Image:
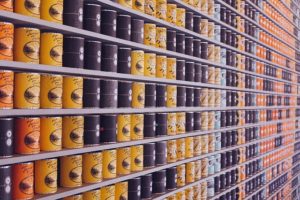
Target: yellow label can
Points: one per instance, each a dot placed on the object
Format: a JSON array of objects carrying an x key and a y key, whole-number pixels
[
  {"x": 161, "y": 67},
  {"x": 197, "y": 4},
  {"x": 180, "y": 122},
  {"x": 51, "y": 91},
  {"x": 204, "y": 190},
  {"x": 71, "y": 171},
  {"x": 161, "y": 37},
  {"x": 137, "y": 158},
  {"x": 197, "y": 191},
  {"x": 171, "y": 124},
  {"x": 126, "y": 3},
  {"x": 27, "y": 45},
  {"x": 51, "y": 134},
  {"x": 137, "y": 62},
  {"x": 161, "y": 9},
  {"x": 27, "y": 90},
  {"x": 180, "y": 195},
  {"x": 180, "y": 147},
  {"x": 210, "y": 7},
  {"x": 180, "y": 17},
  {"x": 211, "y": 143},
  {"x": 150, "y": 64},
  {"x": 30, "y": 8},
  {"x": 197, "y": 145},
  {"x": 189, "y": 147},
  {"x": 171, "y": 151},
  {"x": 210, "y": 29},
  {"x": 197, "y": 170},
  {"x": 204, "y": 6},
  {"x": 211, "y": 120},
  {"x": 74, "y": 197},
  {"x": 72, "y": 134},
  {"x": 150, "y": 34},
  {"x": 190, "y": 172},
  {"x": 171, "y": 68},
  {"x": 109, "y": 164},
  {"x": 171, "y": 96},
  {"x": 92, "y": 195},
  {"x": 211, "y": 53},
  {"x": 189, "y": 193},
  {"x": 204, "y": 121},
  {"x": 121, "y": 190},
  {"x": 137, "y": 127},
  {"x": 180, "y": 169},
  {"x": 108, "y": 192},
  {"x": 204, "y": 97},
  {"x": 51, "y": 49},
  {"x": 52, "y": 10},
  {"x": 211, "y": 97},
  {"x": 123, "y": 161},
  {"x": 204, "y": 144},
  {"x": 6, "y": 40},
  {"x": 204, "y": 167},
  {"x": 138, "y": 5},
  {"x": 92, "y": 167},
  {"x": 150, "y": 7},
  {"x": 73, "y": 92},
  {"x": 45, "y": 176},
  {"x": 138, "y": 95},
  {"x": 171, "y": 13},
  {"x": 124, "y": 128}
]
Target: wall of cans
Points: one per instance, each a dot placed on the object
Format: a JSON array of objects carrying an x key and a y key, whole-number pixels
[{"x": 149, "y": 99}]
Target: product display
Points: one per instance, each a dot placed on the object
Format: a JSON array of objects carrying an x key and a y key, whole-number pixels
[{"x": 149, "y": 99}]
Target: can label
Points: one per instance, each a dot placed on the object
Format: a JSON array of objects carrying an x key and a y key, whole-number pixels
[
  {"x": 6, "y": 40},
  {"x": 210, "y": 7},
  {"x": 211, "y": 120},
  {"x": 171, "y": 68},
  {"x": 124, "y": 128},
  {"x": 161, "y": 37},
  {"x": 189, "y": 147},
  {"x": 7, "y": 5},
  {"x": 218, "y": 141},
  {"x": 150, "y": 64},
  {"x": 197, "y": 145},
  {"x": 190, "y": 172},
  {"x": 180, "y": 17},
  {"x": 137, "y": 158},
  {"x": 6, "y": 89},
  {"x": 51, "y": 133},
  {"x": 73, "y": 92},
  {"x": 171, "y": 151},
  {"x": 198, "y": 170},
  {"x": 121, "y": 190},
  {"x": 204, "y": 97},
  {"x": 171, "y": 13},
  {"x": 180, "y": 149},
  {"x": 161, "y": 66},
  {"x": 161, "y": 9},
  {"x": 108, "y": 192},
  {"x": 29, "y": 8},
  {"x": 211, "y": 75},
  {"x": 137, "y": 127},
  {"x": 171, "y": 123},
  {"x": 150, "y": 34},
  {"x": 211, "y": 97},
  {"x": 71, "y": 171},
  {"x": 204, "y": 144},
  {"x": 211, "y": 143},
  {"x": 217, "y": 163},
  {"x": 204, "y": 25},
  {"x": 73, "y": 132},
  {"x": 51, "y": 91},
  {"x": 138, "y": 95},
  {"x": 23, "y": 182},
  {"x": 171, "y": 96},
  {"x": 180, "y": 122},
  {"x": 150, "y": 7},
  {"x": 211, "y": 167},
  {"x": 204, "y": 190},
  {"x": 123, "y": 161},
  {"x": 27, "y": 90},
  {"x": 52, "y": 10},
  {"x": 51, "y": 49},
  {"x": 138, "y": 5},
  {"x": 92, "y": 171},
  {"x": 180, "y": 175},
  {"x": 210, "y": 29},
  {"x": 109, "y": 163},
  {"x": 91, "y": 195},
  {"x": 45, "y": 176},
  {"x": 27, "y": 135},
  {"x": 137, "y": 62},
  {"x": 180, "y": 195},
  {"x": 204, "y": 121},
  {"x": 217, "y": 98},
  {"x": 210, "y": 187}
]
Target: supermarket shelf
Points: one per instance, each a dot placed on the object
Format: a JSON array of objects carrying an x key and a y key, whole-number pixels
[
  {"x": 87, "y": 149},
  {"x": 63, "y": 192}
]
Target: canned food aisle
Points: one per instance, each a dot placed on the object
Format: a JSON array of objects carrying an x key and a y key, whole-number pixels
[{"x": 149, "y": 99}]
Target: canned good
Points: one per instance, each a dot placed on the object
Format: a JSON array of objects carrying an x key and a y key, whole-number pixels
[
  {"x": 7, "y": 40},
  {"x": 180, "y": 175},
  {"x": 73, "y": 92},
  {"x": 180, "y": 146},
  {"x": 74, "y": 197},
  {"x": 161, "y": 9},
  {"x": 189, "y": 147},
  {"x": 45, "y": 176},
  {"x": 27, "y": 135},
  {"x": 171, "y": 68},
  {"x": 7, "y": 5},
  {"x": 52, "y": 10},
  {"x": 211, "y": 120},
  {"x": 171, "y": 96},
  {"x": 189, "y": 193},
  {"x": 211, "y": 143},
  {"x": 126, "y": 3},
  {"x": 31, "y": 8},
  {"x": 197, "y": 145},
  {"x": 124, "y": 128},
  {"x": 171, "y": 124},
  {"x": 171, "y": 151},
  {"x": 137, "y": 160},
  {"x": 204, "y": 121},
  {"x": 51, "y": 91},
  {"x": 6, "y": 89},
  {"x": 121, "y": 190},
  {"x": 204, "y": 144},
  {"x": 137, "y": 127},
  {"x": 123, "y": 161},
  {"x": 6, "y": 136},
  {"x": 161, "y": 37},
  {"x": 161, "y": 66},
  {"x": 27, "y": 90},
  {"x": 211, "y": 97},
  {"x": 204, "y": 190},
  {"x": 91, "y": 195},
  {"x": 180, "y": 122},
  {"x": 204, "y": 26},
  {"x": 108, "y": 192},
  {"x": 138, "y": 95},
  {"x": 190, "y": 172},
  {"x": 204, "y": 97},
  {"x": 137, "y": 62},
  {"x": 150, "y": 34},
  {"x": 51, "y": 49},
  {"x": 6, "y": 182},
  {"x": 211, "y": 165},
  {"x": 51, "y": 133},
  {"x": 150, "y": 64},
  {"x": 171, "y": 13},
  {"x": 180, "y": 17},
  {"x": 92, "y": 167},
  {"x": 22, "y": 184},
  {"x": 71, "y": 171},
  {"x": 72, "y": 131},
  {"x": 198, "y": 170},
  {"x": 109, "y": 164}
]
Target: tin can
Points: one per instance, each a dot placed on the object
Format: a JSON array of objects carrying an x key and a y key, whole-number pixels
[
  {"x": 204, "y": 97},
  {"x": 180, "y": 175},
  {"x": 137, "y": 127},
  {"x": 22, "y": 184},
  {"x": 71, "y": 171},
  {"x": 161, "y": 9},
  {"x": 51, "y": 133},
  {"x": 27, "y": 45},
  {"x": 7, "y": 5},
  {"x": 180, "y": 17},
  {"x": 27, "y": 135},
  {"x": 123, "y": 161},
  {"x": 73, "y": 52},
  {"x": 189, "y": 193},
  {"x": 204, "y": 26},
  {"x": 217, "y": 163},
  {"x": 51, "y": 49},
  {"x": 51, "y": 91},
  {"x": 197, "y": 145},
  {"x": 150, "y": 34},
  {"x": 109, "y": 164},
  {"x": 171, "y": 68},
  {"x": 7, "y": 40},
  {"x": 6, "y": 182},
  {"x": 138, "y": 95},
  {"x": 161, "y": 66},
  {"x": 171, "y": 13},
  {"x": 6, "y": 137},
  {"x": 190, "y": 172},
  {"x": 121, "y": 190},
  {"x": 171, "y": 124},
  {"x": 180, "y": 195},
  {"x": 217, "y": 141},
  {"x": 137, "y": 160},
  {"x": 6, "y": 89},
  {"x": 204, "y": 121},
  {"x": 180, "y": 122},
  {"x": 27, "y": 90},
  {"x": 73, "y": 92},
  {"x": 211, "y": 143},
  {"x": 126, "y": 3},
  {"x": 171, "y": 151},
  {"x": 198, "y": 169},
  {"x": 211, "y": 120},
  {"x": 45, "y": 176},
  {"x": 189, "y": 147},
  {"x": 211, "y": 97},
  {"x": 108, "y": 192},
  {"x": 138, "y": 5},
  {"x": 172, "y": 197},
  {"x": 204, "y": 190},
  {"x": 197, "y": 191},
  {"x": 124, "y": 128},
  {"x": 72, "y": 134},
  {"x": 204, "y": 144},
  {"x": 31, "y": 8},
  {"x": 211, "y": 165},
  {"x": 74, "y": 197},
  {"x": 204, "y": 6},
  {"x": 108, "y": 128},
  {"x": 91, "y": 195},
  {"x": 171, "y": 96},
  {"x": 180, "y": 147},
  {"x": 52, "y": 10},
  {"x": 161, "y": 37},
  {"x": 210, "y": 187},
  {"x": 137, "y": 62},
  {"x": 92, "y": 167},
  {"x": 150, "y": 64}
]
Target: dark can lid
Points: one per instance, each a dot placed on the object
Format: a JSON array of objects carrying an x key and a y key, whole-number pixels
[
  {"x": 92, "y": 11},
  {"x": 134, "y": 184},
  {"x": 149, "y": 125},
  {"x": 91, "y": 85}
]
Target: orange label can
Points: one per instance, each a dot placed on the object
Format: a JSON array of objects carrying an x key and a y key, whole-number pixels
[
  {"x": 137, "y": 158},
  {"x": 150, "y": 34},
  {"x": 45, "y": 176},
  {"x": 126, "y": 3},
  {"x": 161, "y": 37},
  {"x": 6, "y": 40},
  {"x": 171, "y": 124},
  {"x": 51, "y": 49},
  {"x": 52, "y": 10},
  {"x": 6, "y": 89},
  {"x": 30, "y": 8},
  {"x": 161, "y": 9},
  {"x": 180, "y": 17},
  {"x": 171, "y": 13},
  {"x": 137, "y": 62},
  {"x": 171, "y": 96},
  {"x": 180, "y": 122},
  {"x": 109, "y": 164},
  {"x": 150, "y": 64},
  {"x": 124, "y": 128},
  {"x": 123, "y": 161},
  {"x": 71, "y": 171},
  {"x": 161, "y": 66},
  {"x": 197, "y": 145},
  {"x": 171, "y": 68},
  {"x": 189, "y": 147},
  {"x": 171, "y": 151},
  {"x": 190, "y": 172},
  {"x": 92, "y": 195},
  {"x": 121, "y": 190},
  {"x": 22, "y": 183},
  {"x": 180, "y": 175},
  {"x": 150, "y": 7},
  {"x": 72, "y": 133},
  {"x": 138, "y": 95},
  {"x": 51, "y": 134},
  {"x": 92, "y": 167},
  {"x": 108, "y": 192},
  {"x": 180, "y": 147},
  {"x": 51, "y": 91},
  {"x": 137, "y": 127},
  {"x": 73, "y": 92},
  {"x": 7, "y": 5},
  {"x": 27, "y": 135}
]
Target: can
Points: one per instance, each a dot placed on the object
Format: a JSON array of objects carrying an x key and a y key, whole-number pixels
[
  {"x": 72, "y": 132},
  {"x": 91, "y": 130},
  {"x": 150, "y": 156},
  {"x": 73, "y": 92},
  {"x": 180, "y": 17},
  {"x": 7, "y": 5},
  {"x": 137, "y": 62},
  {"x": 137, "y": 33},
  {"x": 204, "y": 97},
  {"x": 171, "y": 151},
  {"x": 171, "y": 68},
  {"x": 150, "y": 64},
  {"x": 52, "y": 10},
  {"x": 161, "y": 9},
  {"x": 190, "y": 172},
  {"x": 27, "y": 45},
  {"x": 211, "y": 97},
  {"x": 149, "y": 125},
  {"x": 6, "y": 89},
  {"x": 108, "y": 192},
  {"x": 124, "y": 26},
  {"x": 150, "y": 34},
  {"x": 204, "y": 121},
  {"x": 138, "y": 5},
  {"x": 6, "y": 182},
  {"x": 108, "y": 128},
  {"x": 51, "y": 133},
  {"x": 45, "y": 176},
  {"x": 91, "y": 195},
  {"x": 180, "y": 169},
  {"x": 180, "y": 146},
  {"x": 124, "y": 128},
  {"x": 92, "y": 167},
  {"x": 161, "y": 66},
  {"x": 172, "y": 197},
  {"x": 180, "y": 122},
  {"x": 171, "y": 96},
  {"x": 27, "y": 90},
  {"x": 197, "y": 145},
  {"x": 171, "y": 40},
  {"x": 134, "y": 188},
  {"x": 109, "y": 164},
  {"x": 217, "y": 98},
  {"x": 180, "y": 195},
  {"x": 171, "y": 13},
  {"x": 150, "y": 95},
  {"x": 123, "y": 161},
  {"x": 51, "y": 51},
  {"x": 161, "y": 37},
  {"x": 197, "y": 191},
  {"x": 204, "y": 190},
  {"x": 73, "y": 13},
  {"x": 171, "y": 124},
  {"x": 189, "y": 147},
  {"x": 22, "y": 184},
  {"x": 108, "y": 22},
  {"x": 74, "y": 197},
  {"x": 6, "y": 137},
  {"x": 211, "y": 120},
  {"x": 211, "y": 165},
  {"x": 27, "y": 135},
  {"x": 138, "y": 95},
  {"x": 146, "y": 186},
  {"x": 51, "y": 91},
  {"x": 137, "y": 160},
  {"x": 198, "y": 170},
  {"x": 204, "y": 144},
  {"x": 161, "y": 124},
  {"x": 73, "y": 52},
  {"x": 91, "y": 93},
  {"x": 126, "y": 3},
  {"x": 210, "y": 187},
  {"x": 31, "y": 8},
  {"x": 159, "y": 182},
  {"x": 124, "y": 60},
  {"x": 137, "y": 127},
  {"x": 121, "y": 190},
  {"x": 71, "y": 171},
  {"x": 189, "y": 193},
  {"x": 204, "y": 26},
  {"x": 7, "y": 40},
  {"x": 211, "y": 143},
  {"x": 109, "y": 92}
]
